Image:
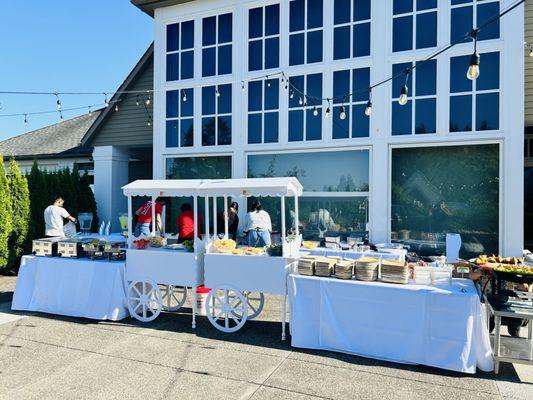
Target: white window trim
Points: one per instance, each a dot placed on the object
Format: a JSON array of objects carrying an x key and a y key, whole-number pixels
[{"x": 413, "y": 14}]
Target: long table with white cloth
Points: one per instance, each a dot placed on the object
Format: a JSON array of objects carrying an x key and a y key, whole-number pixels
[
  {"x": 73, "y": 287},
  {"x": 435, "y": 326},
  {"x": 392, "y": 254}
]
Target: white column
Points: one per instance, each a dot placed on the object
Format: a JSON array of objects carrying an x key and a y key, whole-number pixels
[{"x": 110, "y": 174}]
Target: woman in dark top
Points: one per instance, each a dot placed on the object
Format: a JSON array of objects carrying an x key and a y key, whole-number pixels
[{"x": 233, "y": 221}]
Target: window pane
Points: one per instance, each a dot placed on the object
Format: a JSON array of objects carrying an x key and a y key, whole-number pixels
[
  {"x": 172, "y": 103},
  {"x": 271, "y": 127},
  {"x": 173, "y": 37},
  {"x": 187, "y": 35},
  {"x": 426, "y": 4},
  {"x": 314, "y": 13},
  {"x": 298, "y": 83},
  {"x": 209, "y": 61},
  {"x": 485, "y": 12},
  {"x": 341, "y": 43},
  {"x": 272, "y": 20},
  {"x": 208, "y": 100},
  {"x": 361, "y": 40},
  {"x": 402, "y": 33},
  {"x": 341, "y": 84},
  {"x": 225, "y": 23},
  {"x": 255, "y": 96},
  {"x": 296, "y": 49},
  {"x": 361, "y": 81},
  {"x": 296, "y": 126},
  {"x": 272, "y": 94},
  {"x": 401, "y": 118},
  {"x": 458, "y": 80},
  {"x": 224, "y": 59},
  {"x": 489, "y": 78},
  {"x": 272, "y": 53},
  {"x": 255, "y": 23},
  {"x": 314, "y": 47},
  {"x": 255, "y": 55},
  {"x": 199, "y": 167},
  {"x": 208, "y": 131},
  {"x": 342, "y": 11},
  {"x": 187, "y": 134},
  {"x": 313, "y": 128},
  {"x": 254, "y": 128},
  {"x": 461, "y": 23},
  {"x": 361, "y": 10},
  {"x": 224, "y": 130},
  {"x": 399, "y": 80},
  {"x": 172, "y": 133},
  {"x": 187, "y": 107},
  {"x": 360, "y": 123},
  {"x": 297, "y": 15},
  {"x": 402, "y": 6},
  {"x": 209, "y": 32},
  {"x": 224, "y": 100},
  {"x": 425, "y": 116},
  {"x": 426, "y": 78},
  {"x": 426, "y": 204},
  {"x": 461, "y": 113},
  {"x": 426, "y": 30},
  {"x": 173, "y": 67},
  {"x": 487, "y": 111},
  {"x": 187, "y": 65},
  {"x": 314, "y": 85},
  {"x": 341, "y": 128}
]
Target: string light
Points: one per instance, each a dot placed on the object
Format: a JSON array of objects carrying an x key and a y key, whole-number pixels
[
  {"x": 147, "y": 102},
  {"x": 149, "y": 123},
  {"x": 116, "y": 107},
  {"x": 105, "y": 100},
  {"x": 217, "y": 93},
  {"x": 58, "y": 102},
  {"x": 300, "y": 101},
  {"x": 184, "y": 96},
  {"x": 473, "y": 70},
  {"x": 368, "y": 108},
  {"x": 328, "y": 110},
  {"x": 137, "y": 101},
  {"x": 243, "y": 87},
  {"x": 60, "y": 116},
  {"x": 402, "y": 100},
  {"x": 26, "y": 119},
  {"x": 342, "y": 114},
  {"x": 90, "y": 112},
  {"x": 291, "y": 95},
  {"x": 315, "y": 111}
]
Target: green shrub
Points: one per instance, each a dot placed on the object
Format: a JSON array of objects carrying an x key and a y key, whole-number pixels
[
  {"x": 6, "y": 225},
  {"x": 20, "y": 202}
]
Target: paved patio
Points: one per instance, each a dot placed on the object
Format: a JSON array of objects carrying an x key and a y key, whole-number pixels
[{"x": 49, "y": 357}]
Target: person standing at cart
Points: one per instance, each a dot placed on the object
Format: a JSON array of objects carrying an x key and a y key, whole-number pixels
[
  {"x": 258, "y": 226},
  {"x": 233, "y": 221},
  {"x": 185, "y": 223},
  {"x": 54, "y": 216},
  {"x": 144, "y": 217}
]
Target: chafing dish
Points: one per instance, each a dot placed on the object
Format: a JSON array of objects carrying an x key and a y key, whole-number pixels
[
  {"x": 332, "y": 242},
  {"x": 45, "y": 247},
  {"x": 72, "y": 248}
]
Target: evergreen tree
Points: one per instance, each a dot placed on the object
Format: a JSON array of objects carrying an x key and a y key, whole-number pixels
[
  {"x": 39, "y": 200},
  {"x": 6, "y": 225},
  {"x": 87, "y": 200},
  {"x": 20, "y": 202}
]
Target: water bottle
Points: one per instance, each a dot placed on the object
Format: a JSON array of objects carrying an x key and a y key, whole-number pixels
[
  {"x": 108, "y": 228},
  {"x": 101, "y": 229}
]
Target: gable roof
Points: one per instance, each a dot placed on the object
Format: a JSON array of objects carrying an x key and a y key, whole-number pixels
[
  {"x": 149, "y": 6},
  {"x": 59, "y": 140}
]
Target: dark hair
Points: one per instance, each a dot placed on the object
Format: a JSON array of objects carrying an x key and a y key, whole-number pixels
[
  {"x": 186, "y": 207},
  {"x": 256, "y": 206},
  {"x": 234, "y": 205},
  {"x": 56, "y": 198}
]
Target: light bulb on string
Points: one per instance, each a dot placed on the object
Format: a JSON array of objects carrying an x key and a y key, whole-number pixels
[
  {"x": 58, "y": 102},
  {"x": 315, "y": 111},
  {"x": 342, "y": 114},
  {"x": 184, "y": 96},
  {"x": 148, "y": 100},
  {"x": 531, "y": 51},
  {"x": 116, "y": 107},
  {"x": 217, "y": 93},
  {"x": 402, "y": 100},
  {"x": 26, "y": 119},
  {"x": 149, "y": 123},
  {"x": 300, "y": 101},
  {"x": 243, "y": 87},
  {"x": 106, "y": 102},
  {"x": 473, "y": 69},
  {"x": 90, "y": 112},
  {"x": 291, "y": 95},
  {"x": 268, "y": 82},
  {"x": 286, "y": 87},
  {"x": 328, "y": 110},
  {"x": 60, "y": 116},
  {"x": 137, "y": 101},
  {"x": 368, "y": 108}
]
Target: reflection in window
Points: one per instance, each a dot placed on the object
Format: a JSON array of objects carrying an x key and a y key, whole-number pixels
[
  {"x": 216, "y": 115},
  {"x": 179, "y": 114},
  {"x": 263, "y": 34},
  {"x": 414, "y": 24},
  {"x": 263, "y": 111},
  {"x": 467, "y": 14},
  {"x": 180, "y": 51},
  {"x": 439, "y": 190},
  {"x": 351, "y": 35},
  {"x": 475, "y": 105},
  {"x": 306, "y": 31},
  {"x": 419, "y": 114},
  {"x": 305, "y": 113},
  {"x": 217, "y": 34}
]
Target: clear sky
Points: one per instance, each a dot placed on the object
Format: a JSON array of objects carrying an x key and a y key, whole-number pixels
[{"x": 65, "y": 45}]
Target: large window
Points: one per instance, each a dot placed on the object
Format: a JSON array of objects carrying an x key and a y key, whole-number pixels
[
  {"x": 263, "y": 34},
  {"x": 475, "y": 105},
  {"x": 468, "y": 14},
  {"x": 263, "y": 111},
  {"x": 335, "y": 198},
  {"x": 414, "y": 24},
  {"x": 418, "y": 116},
  {"x": 451, "y": 189},
  {"x": 351, "y": 37},
  {"x": 305, "y": 113},
  {"x": 180, "y": 127},
  {"x": 306, "y": 31},
  {"x": 217, "y": 35},
  {"x": 355, "y": 123},
  {"x": 216, "y": 115},
  {"x": 180, "y": 51}
]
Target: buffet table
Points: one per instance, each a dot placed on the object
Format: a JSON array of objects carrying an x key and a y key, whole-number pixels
[
  {"x": 398, "y": 255},
  {"x": 439, "y": 327},
  {"x": 72, "y": 287}
]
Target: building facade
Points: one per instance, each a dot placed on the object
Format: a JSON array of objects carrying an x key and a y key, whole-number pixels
[{"x": 450, "y": 160}]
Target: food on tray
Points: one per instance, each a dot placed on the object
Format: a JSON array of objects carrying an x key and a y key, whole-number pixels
[
  {"x": 484, "y": 259},
  {"x": 188, "y": 245},
  {"x": 310, "y": 244},
  {"x": 141, "y": 243},
  {"x": 254, "y": 251},
  {"x": 157, "y": 241},
  {"x": 511, "y": 269},
  {"x": 237, "y": 251},
  {"x": 224, "y": 245},
  {"x": 276, "y": 250}
]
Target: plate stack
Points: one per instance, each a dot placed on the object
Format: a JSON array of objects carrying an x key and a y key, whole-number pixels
[
  {"x": 306, "y": 265},
  {"x": 366, "y": 269},
  {"x": 394, "y": 272},
  {"x": 324, "y": 266},
  {"x": 344, "y": 269}
]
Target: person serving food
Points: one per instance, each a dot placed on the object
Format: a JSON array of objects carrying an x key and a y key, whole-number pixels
[
  {"x": 53, "y": 218},
  {"x": 144, "y": 217},
  {"x": 257, "y": 225}
]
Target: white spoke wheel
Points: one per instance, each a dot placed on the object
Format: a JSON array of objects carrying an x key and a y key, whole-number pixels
[
  {"x": 173, "y": 297},
  {"x": 226, "y": 308},
  {"x": 144, "y": 300},
  {"x": 255, "y": 303}
]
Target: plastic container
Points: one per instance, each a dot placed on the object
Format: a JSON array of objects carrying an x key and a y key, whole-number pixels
[
  {"x": 201, "y": 298},
  {"x": 85, "y": 220}
]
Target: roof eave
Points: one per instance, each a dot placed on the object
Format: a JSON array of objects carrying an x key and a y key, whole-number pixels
[{"x": 149, "y": 6}]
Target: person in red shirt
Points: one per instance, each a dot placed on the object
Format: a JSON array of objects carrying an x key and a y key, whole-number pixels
[
  {"x": 185, "y": 223},
  {"x": 144, "y": 217}
]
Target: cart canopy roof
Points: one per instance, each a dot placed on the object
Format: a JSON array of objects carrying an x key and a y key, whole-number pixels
[{"x": 275, "y": 187}]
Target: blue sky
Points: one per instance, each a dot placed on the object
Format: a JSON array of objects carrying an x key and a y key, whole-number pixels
[{"x": 65, "y": 45}]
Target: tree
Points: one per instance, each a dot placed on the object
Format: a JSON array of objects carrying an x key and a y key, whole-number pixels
[
  {"x": 37, "y": 186},
  {"x": 87, "y": 200},
  {"x": 20, "y": 202},
  {"x": 6, "y": 225}
]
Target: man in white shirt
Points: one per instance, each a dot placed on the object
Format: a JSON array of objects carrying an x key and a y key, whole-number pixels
[{"x": 53, "y": 218}]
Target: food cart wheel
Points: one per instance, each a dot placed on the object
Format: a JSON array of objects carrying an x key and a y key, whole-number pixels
[
  {"x": 256, "y": 302},
  {"x": 144, "y": 300},
  {"x": 226, "y": 308},
  {"x": 173, "y": 297}
]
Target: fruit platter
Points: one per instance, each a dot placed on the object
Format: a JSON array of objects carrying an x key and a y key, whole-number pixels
[
  {"x": 224, "y": 246},
  {"x": 484, "y": 260},
  {"x": 141, "y": 244},
  {"x": 310, "y": 244}
]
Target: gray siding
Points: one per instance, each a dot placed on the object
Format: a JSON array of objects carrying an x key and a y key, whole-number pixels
[
  {"x": 128, "y": 126},
  {"x": 528, "y": 37}
]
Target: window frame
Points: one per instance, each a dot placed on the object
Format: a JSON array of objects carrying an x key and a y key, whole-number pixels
[
  {"x": 306, "y": 109},
  {"x": 217, "y": 45},
  {"x": 216, "y": 116},
  {"x": 179, "y": 119},
  {"x": 306, "y": 31},
  {"x": 352, "y": 23},
  {"x": 263, "y": 111},
  {"x": 180, "y": 51},
  {"x": 474, "y": 4},
  {"x": 413, "y": 15},
  {"x": 263, "y": 38}
]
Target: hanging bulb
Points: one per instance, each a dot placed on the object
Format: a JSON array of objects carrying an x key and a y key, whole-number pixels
[
  {"x": 531, "y": 51},
  {"x": 105, "y": 100},
  {"x": 149, "y": 123},
  {"x": 268, "y": 84},
  {"x": 184, "y": 96},
  {"x": 403, "y": 96},
  {"x": 58, "y": 102},
  {"x": 90, "y": 112},
  {"x": 342, "y": 114},
  {"x": 286, "y": 87},
  {"x": 368, "y": 108},
  {"x": 291, "y": 95},
  {"x": 137, "y": 101},
  {"x": 61, "y": 116},
  {"x": 26, "y": 119},
  {"x": 243, "y": 87},
  {"x": 217, "y": 93},
  {"x": 148, "y": 101},
  {"x": 473, "y": 70},
  {"x": 315, "y": 111},
  {"x": 300, "y": 102},
  {"x": 116, "y": 107}
]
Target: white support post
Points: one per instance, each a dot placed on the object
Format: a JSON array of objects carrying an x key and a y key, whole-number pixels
[
  {"x": 154, "y": 222},
  {"x": 130, "y": 221},
  {"x": 195, "y": 221},
  {"x": 164, "y": 220},
  {"x": 207, "y": 218},
  {"x": 296, "y": 216},
  {"x": 226, "y": 235},
  {"x": 194, "y": 305},
  {"x": 215, "y": 219},
  {"x": 283, "y": 228}
]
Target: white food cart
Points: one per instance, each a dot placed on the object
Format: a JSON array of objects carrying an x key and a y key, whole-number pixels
[
  {"x": 239, "y": 281},
  {"x": 157, "y": 278}
]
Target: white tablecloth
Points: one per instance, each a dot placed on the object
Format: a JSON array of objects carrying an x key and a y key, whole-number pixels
[
  {"x": 440, "y": 327},
  {"x": 72, "y": 287},
  {"x": 392, "y": 255}
]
